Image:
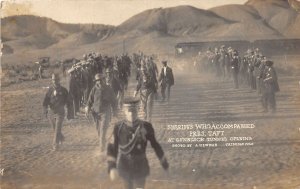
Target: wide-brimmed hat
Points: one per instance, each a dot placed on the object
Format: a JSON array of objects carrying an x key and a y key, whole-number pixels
[{"x": 98, "y": 77}]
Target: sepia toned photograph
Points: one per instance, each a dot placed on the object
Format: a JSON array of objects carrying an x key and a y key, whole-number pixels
[{"x": 140, "y": 94}]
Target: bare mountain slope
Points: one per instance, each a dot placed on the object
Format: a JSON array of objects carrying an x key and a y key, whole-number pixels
[
  {"x": 277, "y": 13},
  {"x": 248, "y": 22},
  {"x": 31, "y": 42},
  {"x": 293, "y": 31},
  {"x": 239, "y": 13},
  {"x": 152, "y": 29},
  {"x": 77, "y": 39},
  {"x": 31, "y": 32},
  {"x": 178, "y": 21}
]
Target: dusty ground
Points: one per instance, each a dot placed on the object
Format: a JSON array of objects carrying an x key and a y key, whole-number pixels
[{"x": 272, "y": 162}]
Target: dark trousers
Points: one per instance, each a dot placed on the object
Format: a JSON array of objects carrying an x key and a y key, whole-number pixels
[
  {"x": 56, "y": 121},
  {"x": 165, "y": 86},
  {"x": 252, "y": 80},
  {"x": 228, "y": 71},
  {"x": 101, "y": 121},
  {"x": 259, "y": 85},
  {"x": 268, "y": 100},
  {"x": 134, "y": 183},
  {"x": 235, "y": 79},
  {"x": 76, "y": 103}
]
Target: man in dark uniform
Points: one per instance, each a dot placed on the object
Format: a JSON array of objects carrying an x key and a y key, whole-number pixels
[
  {"x": 146, "y": 87},
  {"x": 260, "y": 74},
  {"x": 87, "y": 81},
  {"x": 112, "y": 79},
  {"x": 127, "y": 154},
  {"x": 251, "y": 62},
  {"x": 256, "y": 72},
  {"x": 243, "y": 76},
  {"x": 235, "y": 68},
  {"x": 270, "y": 87},
  {"x": 216, "y": 62},
  {"x": 224, "y": 62},
  {"x": 153, "y": 72},
  {"x": 167, "y": 80},
  {"x": 57, "y": 98},
  {"x": 101, "y": 100},
  {"x": 74, "y": 89}
]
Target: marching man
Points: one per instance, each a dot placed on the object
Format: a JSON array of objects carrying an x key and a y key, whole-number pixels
[
  {"x": 127, "y": 154},
  {"x": 57, "y": 97}
]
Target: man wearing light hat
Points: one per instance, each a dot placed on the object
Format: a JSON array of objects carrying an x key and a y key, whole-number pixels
[
  {"x": 57, "y": 98},
  {"x": 127, "y": 154},
  {"x": 101, "y": 100},
  {"x": 167, "y": 80}
]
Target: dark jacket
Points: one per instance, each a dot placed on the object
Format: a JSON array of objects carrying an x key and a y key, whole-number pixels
[
  {"x": 168, "y": 78},
  {"x": 145, "y": 82},
  {"x": 101, "y": 98},
  {"x": 115, "y": 84},
  {"x": 270, "y": 80},
  {"x": 57, "y": 98},
  {"x": 128, "y": 152}
]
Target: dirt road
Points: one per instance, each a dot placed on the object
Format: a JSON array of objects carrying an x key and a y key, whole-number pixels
[{"x": 271, "y": 162}]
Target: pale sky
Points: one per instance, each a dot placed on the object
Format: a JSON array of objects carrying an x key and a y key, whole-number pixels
[{"x": 112, "y": 12}]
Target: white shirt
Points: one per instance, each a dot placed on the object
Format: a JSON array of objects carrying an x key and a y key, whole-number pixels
[{"x": 165, "y": 71}]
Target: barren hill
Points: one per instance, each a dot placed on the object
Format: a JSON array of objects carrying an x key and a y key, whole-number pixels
[
  {"x": 31, "y": 32},
  {"x": 155, "y": 30},
  {"x": 277, "y": 13},
  {"x": 177, "y": 21}
]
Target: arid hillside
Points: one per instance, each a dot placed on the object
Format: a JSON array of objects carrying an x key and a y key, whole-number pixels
[{"x": 156, "y": 30}]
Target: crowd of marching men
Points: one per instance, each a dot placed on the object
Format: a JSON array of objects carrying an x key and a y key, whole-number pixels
[
  {"x": 96, "y": 81},
  {"x": 116, "y": 69},
  {"x": 252, "y": 69},
  {"x": 98, "y": 85}
]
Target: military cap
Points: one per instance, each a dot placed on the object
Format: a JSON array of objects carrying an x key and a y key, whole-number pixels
[
  {"x": 130, "y": 102},
  {"x": 98, "y": 77},
  {"x": 269, "y": 63},
  {"x": 55, "y": 77}
]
